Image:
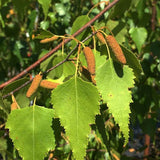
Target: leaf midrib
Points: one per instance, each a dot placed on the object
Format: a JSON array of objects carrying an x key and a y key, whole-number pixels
[{"x": 76, "y": 98}]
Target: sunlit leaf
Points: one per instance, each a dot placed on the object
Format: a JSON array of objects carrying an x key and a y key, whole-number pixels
[
  {"x": 45, "y": 5},
  {"x": 139, "y": 36},
  {"x": 114, "y": 82},
  {"x": 76, "y": 104},
  {"x": 31, "y": 132}
]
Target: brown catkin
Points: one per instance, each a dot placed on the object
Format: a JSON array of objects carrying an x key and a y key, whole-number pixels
[
  {"x": 34, "y": 85},
  {"x": 116, "y": 49},
  {"x": 14, "y": 106},
  {"x": 46, "y": 40},
  {"x": 101, "y": 37},
  {"x": 90, "y": 60},
  {"x": 48, "y": 84}
]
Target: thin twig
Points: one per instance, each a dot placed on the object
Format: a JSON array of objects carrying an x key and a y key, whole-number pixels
[
  {"x": 24, "y": 72},
  {"x": 17, "y": 89},
  {"x": 60, "y": 63},
  {"x": 66, "y": 59}
]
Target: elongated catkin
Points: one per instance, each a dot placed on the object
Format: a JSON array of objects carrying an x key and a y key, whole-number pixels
[
  {"x": 90, "y": 60},
  {"x": 46, "y": 40},
  {"x": 116, "y": 49},
  {"x": 34, "y": 85},
  {"x": 101, "y": 37},
  {"x": 48, "y": 84}
]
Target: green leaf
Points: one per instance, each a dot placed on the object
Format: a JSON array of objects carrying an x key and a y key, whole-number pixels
[
  {"x": 17, "y": 52},
  {"x": 45, "y": 5},
  {"x": 48, "y": 62},
  {"x": 21, "y": 98},
  {"x": 132, "y": 61},
  {"x": 20, "y": 95},
  {"x": 139, "y": 36},
  {"x": 78, "y": 23},
  {"x": 12, "y": 86},
  {"x": 68, "y": 68},
  {"x": 64, "y": 70},
  {"x": 31, "y": 132},
  {"x": 119, "y": 9},
  {"x": 76, "y": 103},
  {"x": 118, "y": 29},
  {"x": 113, "y": 82},
  {"x": 44, "y": 24},
  {"x": 3, "y": 147},
  {"x": 100, "y": 59},
  {"x": 57, "y": 72},
  {"x": 60, "y": 8},
  {"x": 44, "y": 34},
  {"x": 31, "y": 23}
]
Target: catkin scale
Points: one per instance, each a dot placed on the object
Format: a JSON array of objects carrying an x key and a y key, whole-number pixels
[
  {"x": 116, "y": 49},
  {"x": 48, "y": 84},
  {"x": 101, "y": 37},
  {"x": 46, "y": 40},
  {"x": 34, "y": 85},
  {"x": 90, "y": 60}
]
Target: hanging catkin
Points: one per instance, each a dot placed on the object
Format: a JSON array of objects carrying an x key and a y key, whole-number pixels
[
  {"x": 116, "y": 49},
  {"x": 101, "y": 37},
  {"x": 34, "y": 85},
  {"x": 90, "y": 60},
  {"x": 46, "y": 40},
  {"x": 48, "y": 84}
]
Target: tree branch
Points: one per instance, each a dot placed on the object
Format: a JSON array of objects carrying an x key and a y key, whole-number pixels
[
  {"x": 58, "y": 64},
  {"x": 24, "y": 72}
]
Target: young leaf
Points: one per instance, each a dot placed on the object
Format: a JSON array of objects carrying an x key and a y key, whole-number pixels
[
  {"x": 31, "y": 132},
  {"x": 132, "y": 62},
  {"x": 78, "y": 23},
  {"x": 139, "y": 36},
  {"x": 48, "y": 62},
  {"x": 44, "y": 34},
  {"x": 113, "y": 82},
  {"x": 76, "y": 103},
  {"x": 45, "y": 5}
]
